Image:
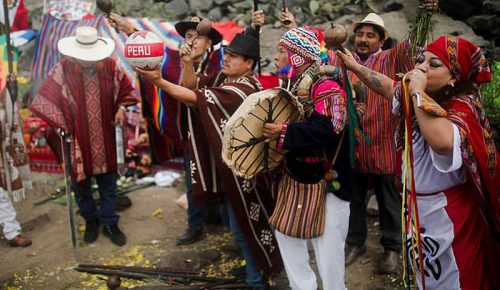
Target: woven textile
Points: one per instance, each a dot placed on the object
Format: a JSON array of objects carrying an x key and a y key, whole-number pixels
[
  {"x": 300, "y": 209},
  {"x": 53, "y": 29},
  {"x": 378, "y": 123},
  {"x": 301, "y": 42}
]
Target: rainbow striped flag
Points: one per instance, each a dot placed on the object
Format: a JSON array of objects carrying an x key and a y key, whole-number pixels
[
  {"x": 4, "y": 68},
  {"x": 52, "y": 30}
]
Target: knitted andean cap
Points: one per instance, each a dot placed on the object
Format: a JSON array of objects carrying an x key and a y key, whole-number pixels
[{"x": 302, "y": 42}]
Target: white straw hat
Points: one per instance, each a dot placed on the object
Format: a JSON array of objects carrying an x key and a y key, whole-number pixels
[
  {"x": 86, "y": 45},
  {"x": 372, "y": 19}
]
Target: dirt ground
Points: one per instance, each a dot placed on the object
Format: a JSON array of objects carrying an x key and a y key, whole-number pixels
[{"x": 151, "y": 225}]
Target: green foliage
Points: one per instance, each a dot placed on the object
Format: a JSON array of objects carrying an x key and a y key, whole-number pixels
[{"x": 491, "y": 94}]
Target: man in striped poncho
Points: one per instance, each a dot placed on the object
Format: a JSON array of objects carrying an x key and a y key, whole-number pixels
[
  {"x": 377, "y": 163},
  {"x": 307, "y": 206}
]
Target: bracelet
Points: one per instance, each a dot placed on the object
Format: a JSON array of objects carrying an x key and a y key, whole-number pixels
[{"x": 418, "y": 96}]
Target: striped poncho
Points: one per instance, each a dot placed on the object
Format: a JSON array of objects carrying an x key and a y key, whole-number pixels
[
  {"x": 378, "y": 123},
  {"x": 166, "y": 117},
  {"x": 216, "y": 101}
]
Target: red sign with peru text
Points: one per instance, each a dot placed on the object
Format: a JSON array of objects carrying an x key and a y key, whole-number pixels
[{"x": 140, "y": 50}]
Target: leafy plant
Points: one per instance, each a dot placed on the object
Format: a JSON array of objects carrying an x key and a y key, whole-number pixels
[{"x": 491, "y": 94}]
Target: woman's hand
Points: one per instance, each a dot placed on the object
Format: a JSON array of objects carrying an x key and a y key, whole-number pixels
[
  {"x": 431, "y": 5},
  {"x": 418, "y": 81},
  {"x": 153, "y": 76},
  {"x": 272, "y": 131},
  {"x": 348, "y": 59}
]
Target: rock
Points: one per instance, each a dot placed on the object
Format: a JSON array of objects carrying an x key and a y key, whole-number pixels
[
  {"x": 494, "y": 53},
  {"x": 264, "y": 7},
  {"x": 313, "y": 6},
  {"x": 245, "y": 5},
  {"x": 203, "y": 5},
  {"x": 492, "y": 6},
  {"x": 460, "y": 9},
  {"x": 179, "y": 7},
  {"x": 133, "y": 8},
  {"x": 484, "y": 24},
  {"x": 445, "y": 25},
  {"x": 215, "y": 14},
  {"x": 220, "y": 2},
  {"x": 347, "y": 20},
  {"x": 300, "y": 16},
  {"x": 327, "y": 8},
  {"x": 396, "y": 23},
  {"x": 393, "y": 5},
  {"x": 352, "y": 9},
  {"x": 231, "y": 8}
]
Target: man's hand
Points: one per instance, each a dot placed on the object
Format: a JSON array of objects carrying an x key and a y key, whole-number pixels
[
  {"x": 120, "y": 116},
  {"x": 272, "y": 131},
  {"x": 116, "y": 21},
  {"x": 186, "y": 53},
  {"x": 258, "y": 18},
  {"x": 153, "y": 76},
  {"x": 431, "y": 5},
  {"x": 348, "y": 59},
  {"x": 287, "y": 16}
]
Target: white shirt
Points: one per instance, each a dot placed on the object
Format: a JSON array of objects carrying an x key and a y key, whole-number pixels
[{"x": 434, "y": 172}]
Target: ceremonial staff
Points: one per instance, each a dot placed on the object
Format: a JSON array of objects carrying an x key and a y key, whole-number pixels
[
  {"x": 11, "y": 82},
  {"x": 12, "y": 88},
  {"x": 257, "y": 28},
  {"x": 68, "y": 178}
]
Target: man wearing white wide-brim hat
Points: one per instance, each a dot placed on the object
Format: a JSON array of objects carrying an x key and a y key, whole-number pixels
[
  {"x": 376, "y": 162},
  {"x": 85, "y": 95}
]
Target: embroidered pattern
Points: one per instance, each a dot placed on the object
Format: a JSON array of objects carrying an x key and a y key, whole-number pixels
[
  {"x": 222, "y": 124},
  {"x": 192, "y": 165},
  {"x": 254, "y": 211},
  {"x": 296, "y": 60},
  {"x": 266, "y": 237},
  {"x": 451, "y": 46},
  {"x": 208, "y": 95}
]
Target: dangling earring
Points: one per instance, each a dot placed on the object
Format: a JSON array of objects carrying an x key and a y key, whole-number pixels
[{"x": 451, "y": 84}]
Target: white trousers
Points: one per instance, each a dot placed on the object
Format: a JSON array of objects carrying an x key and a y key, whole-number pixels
[
  {"x": 328, "y": 249},
  {"x": 11, "y": 228}
]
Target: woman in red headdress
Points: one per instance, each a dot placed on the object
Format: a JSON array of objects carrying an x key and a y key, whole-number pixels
[{"x": 456, "y": 166}]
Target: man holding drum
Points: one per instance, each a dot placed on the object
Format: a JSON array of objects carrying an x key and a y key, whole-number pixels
[{"x": 310, "y": 204}]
